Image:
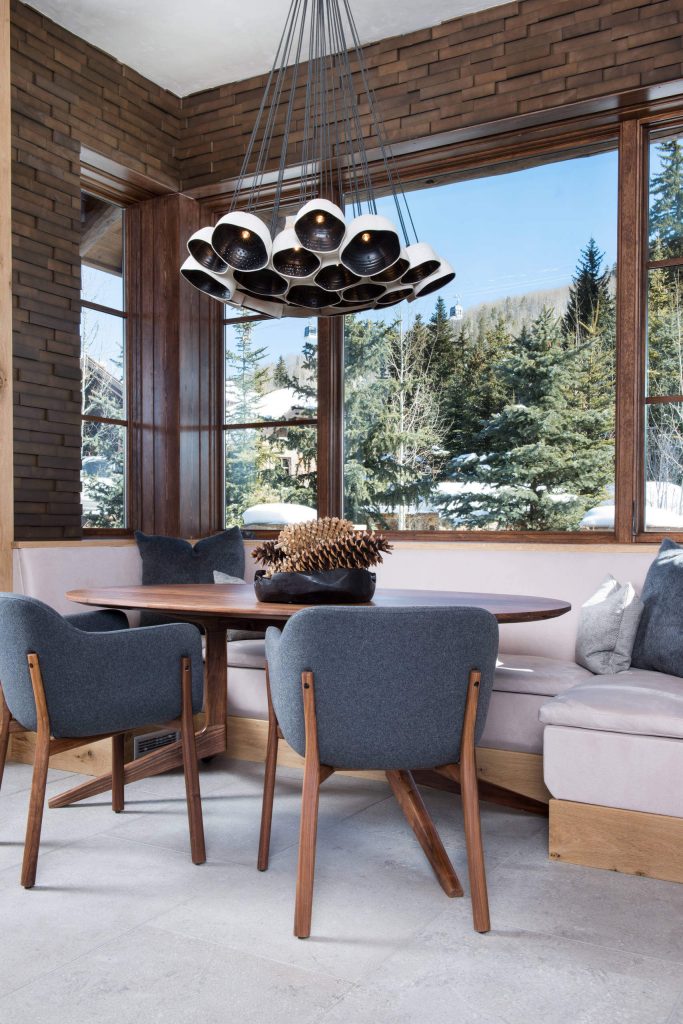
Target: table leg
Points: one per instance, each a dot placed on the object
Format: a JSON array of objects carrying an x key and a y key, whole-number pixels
[
  {"x": 210, "y": 740},
  {"x": 418, "y": 818}
]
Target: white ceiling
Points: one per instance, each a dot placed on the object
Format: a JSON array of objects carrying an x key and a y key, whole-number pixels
[{"x": 190, "y": 45}]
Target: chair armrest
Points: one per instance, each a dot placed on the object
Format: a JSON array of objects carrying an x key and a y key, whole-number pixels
[
  {"x": 98, "y": 622},
  {"x": 121, "y": 679}
]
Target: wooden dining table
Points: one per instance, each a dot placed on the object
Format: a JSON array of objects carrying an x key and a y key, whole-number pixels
[{"x": 219, "y": 607}]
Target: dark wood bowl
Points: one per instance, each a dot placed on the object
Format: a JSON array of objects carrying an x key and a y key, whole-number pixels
[{"x": 333, "y": 586}]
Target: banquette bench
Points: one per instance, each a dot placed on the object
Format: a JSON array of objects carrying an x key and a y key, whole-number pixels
[{"x": 536, "y": 666}]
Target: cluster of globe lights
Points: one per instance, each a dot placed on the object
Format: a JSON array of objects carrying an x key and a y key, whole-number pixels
[{"x": 317, "y": 265}]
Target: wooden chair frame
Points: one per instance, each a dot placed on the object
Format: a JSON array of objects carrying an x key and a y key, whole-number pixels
[
  {"x": 46, "y": 745},
  {"x": 407, "y": 795}
]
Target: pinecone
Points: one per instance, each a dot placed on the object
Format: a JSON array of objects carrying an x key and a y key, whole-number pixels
[
  {"x": 320, "y": 546},
  {"x": 303, "y": 536},
  {"x": 270, "y": 555}
]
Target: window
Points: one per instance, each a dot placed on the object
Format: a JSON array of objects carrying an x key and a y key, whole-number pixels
[
  {"x": 270, "y": 422},
  {"x": 103, "y": 366},
  {"x": 663, "y": 498},
  {"x": 491, "y": 406}
]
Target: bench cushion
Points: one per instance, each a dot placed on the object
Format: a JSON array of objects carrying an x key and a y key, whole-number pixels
[
  {"x": 530, "y": 673},
  {"x": 247, "y": 654},
  {"x": 578, "y": 765},
  {"x": 637, "y": 702}
]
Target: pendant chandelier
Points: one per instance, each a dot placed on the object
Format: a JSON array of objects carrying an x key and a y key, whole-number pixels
[{"x": 320, "y": 261}]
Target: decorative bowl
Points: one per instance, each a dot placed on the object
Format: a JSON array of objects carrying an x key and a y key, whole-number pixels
[{"x": 333, "y": 586}]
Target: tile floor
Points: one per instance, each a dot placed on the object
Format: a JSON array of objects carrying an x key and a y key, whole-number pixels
[{"x": 122, "y": 927}]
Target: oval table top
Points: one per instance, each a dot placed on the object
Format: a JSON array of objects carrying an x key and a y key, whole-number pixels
[{"x": 231, "y": 600}]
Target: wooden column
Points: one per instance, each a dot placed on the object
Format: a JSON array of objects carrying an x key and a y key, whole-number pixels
[
  {"x": 176, "y": 379},
  {"x": 630, "y": 322},
  {"x": 6, "y": 451}
]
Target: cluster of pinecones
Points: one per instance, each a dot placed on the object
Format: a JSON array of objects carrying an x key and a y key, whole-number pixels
[{"x": 320, "y": 545}]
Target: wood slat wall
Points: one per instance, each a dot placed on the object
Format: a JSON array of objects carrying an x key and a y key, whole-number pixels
[
  {"x": 515, "y": 59},
  {"x": 66, "y": 95}
]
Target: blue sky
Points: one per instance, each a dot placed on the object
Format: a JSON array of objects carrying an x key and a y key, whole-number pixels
[{"x": 505, "y": 234}]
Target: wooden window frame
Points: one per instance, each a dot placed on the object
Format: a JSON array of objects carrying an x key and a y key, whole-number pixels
[
  {"x": 640, "y": 143},
  {"x": 126, "y": 530}
]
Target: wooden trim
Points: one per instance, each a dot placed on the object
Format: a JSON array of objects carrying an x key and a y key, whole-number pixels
[
  {"x": 121, "y": 313},
  {"x": 6, "y": 373},
  {"x": 264, "y": 424},
  {"x": 613, "y": 839},
  {"x": 330, "y": 416},
  {"x": 117, "y": 183},
  {"x": 556, "y": 129},
  {"x": 628, "y": 431}
]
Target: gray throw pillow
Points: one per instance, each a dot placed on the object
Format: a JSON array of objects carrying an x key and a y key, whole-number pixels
[
  {"x": 659, "y": 641},
  {"x": 236, "y": 634},
  {"x": 174, "y": 560},
  {"x": 607, "y": 628}
]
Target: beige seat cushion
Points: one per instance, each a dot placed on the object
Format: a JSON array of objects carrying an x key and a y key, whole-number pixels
[
  {"x": 531, "y": 673},
  {"x": 638, "y": 702},
  {"x": 247, "y": 654},
  {"x": 579, "y": 765}
]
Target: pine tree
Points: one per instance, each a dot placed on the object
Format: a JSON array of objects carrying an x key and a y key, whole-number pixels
[
  {"x": 589, "y": 326},
  {"x": 442, "y": 341},
  {"x": 280, "y": 374},
  {"x": 590, "y": 309},
  {"x": 245, "y": 379},
  {"x": 406, "y": 444},
  {"x": 540, "y": 462},
  {"x": 666, "y": 199}
]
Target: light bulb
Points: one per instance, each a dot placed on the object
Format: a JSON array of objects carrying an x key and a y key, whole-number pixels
[
  {"x": 365, "y": 237},
  {"x": 320, "y": 218},
  {"x": 246, "y": 235},
  {"x": 297, "y": 248}
]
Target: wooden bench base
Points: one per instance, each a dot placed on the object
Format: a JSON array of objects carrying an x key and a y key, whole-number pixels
[
  {"x": 518, "y": 772},
  {"x": 631, "y": 842}
]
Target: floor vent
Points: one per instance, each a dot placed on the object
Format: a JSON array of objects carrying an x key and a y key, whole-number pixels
[{"x": 150, "y": 741}]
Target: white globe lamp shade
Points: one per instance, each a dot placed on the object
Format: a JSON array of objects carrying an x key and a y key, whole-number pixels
[
  {"x": 423, "y": 262},
  {"x": 242, "y": 241},
  {"x": 199, "y": 246},
  {"x": 320, "y": 225},
  {"x": 219, "y": 286},
  {"x": 333, "y": 275},
  {"x": 371, "y": 245},
  {"x": 291, "y": 258},
  {"x": 395, "y": 295},
  {"x": 436, "y": 281}
]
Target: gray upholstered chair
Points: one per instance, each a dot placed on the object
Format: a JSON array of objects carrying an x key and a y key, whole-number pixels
[
  {"x": 85, "y": 677},
  {"x": 395, "y": 689}
]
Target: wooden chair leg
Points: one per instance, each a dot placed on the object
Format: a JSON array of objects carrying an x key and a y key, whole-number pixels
[
  {"x": 268, "y": 783},
  {"x": 5, "y": 719},
  {"x": 117, "y": 773},
  {"x": 194, "y": 800},
  {"x": 470, "y": 809},
  {"x": 309, "y": 815},
  {"x": 40, "y": 766}
]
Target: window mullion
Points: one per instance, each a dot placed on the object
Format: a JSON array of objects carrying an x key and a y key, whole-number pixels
[{"x": 630, "y": 333}]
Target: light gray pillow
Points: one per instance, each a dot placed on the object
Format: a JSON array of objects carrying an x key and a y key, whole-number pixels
[
  {"x": 236, "y": 634},
  {"x": 223, "y": 577},
  {"x": 607, "y": 628}
]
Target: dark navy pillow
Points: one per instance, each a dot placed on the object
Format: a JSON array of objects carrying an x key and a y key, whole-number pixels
[
  {"x": 659, "y": 640},
  {"x": 173, "y": 560}
]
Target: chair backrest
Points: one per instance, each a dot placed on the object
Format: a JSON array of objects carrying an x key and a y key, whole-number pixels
[
  {"x": 26, "y": 626},
  {"x": 390, "y": 683}
]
